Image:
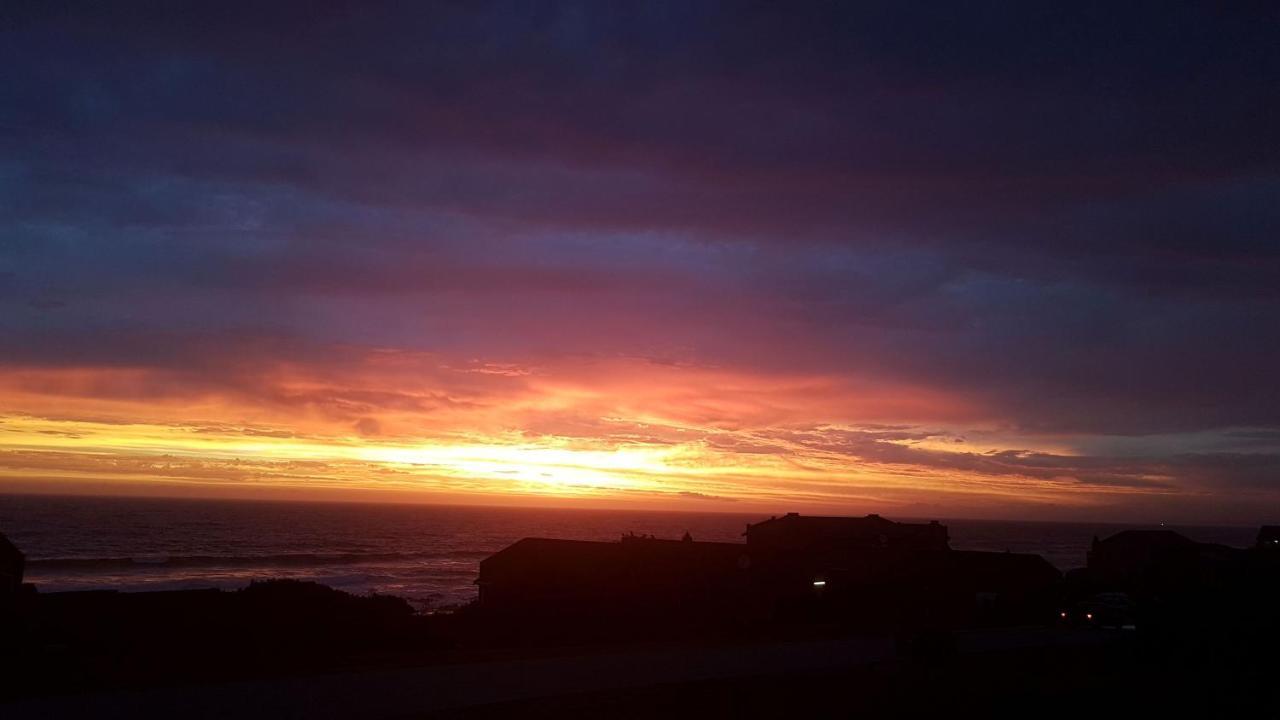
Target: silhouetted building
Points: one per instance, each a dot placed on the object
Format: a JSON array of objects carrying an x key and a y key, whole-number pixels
[
  {"x": 637, "y": 575},
  {"x": 1001, "y": 572},
  {"x": 1159, "y": 561},
  {"x": 1001, "y": 585},
  {"x": 1123, "y": 556},
  {"x": 865, "y": 569},
  {"x": 821, "y": 534},
  {"x": 849, "y": 565},
  {"x": 11, "y": 567}
]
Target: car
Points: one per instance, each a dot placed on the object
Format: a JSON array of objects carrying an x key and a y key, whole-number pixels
[{"x": 1112, "y": 610}]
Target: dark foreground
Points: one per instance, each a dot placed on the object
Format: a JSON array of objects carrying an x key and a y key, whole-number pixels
[
  {"x": 1054, "y": 672},
  {"x": 1042, "y": 681},
  {"x": 1155, "y": 625}
]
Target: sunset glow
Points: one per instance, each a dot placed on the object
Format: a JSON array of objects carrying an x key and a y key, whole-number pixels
[
  {"x": 673, "y": 358},
  {"x": 633, "y": 432},
  {"x": 702, "y": 259}
]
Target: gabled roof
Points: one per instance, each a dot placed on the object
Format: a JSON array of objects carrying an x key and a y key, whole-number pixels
[
  {"x": 1148, "y": 539},
  {"x": 871, "y": 523},
  {"x": 581, "y": 559},
  {"x": 869, "y": 527},
  {"x": 550, "y": 550},
  {"x": 1003, "y": 564},
  {"x": 9, "y": 551}
]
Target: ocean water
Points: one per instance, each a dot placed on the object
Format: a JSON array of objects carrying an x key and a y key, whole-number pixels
[{"x": 427, "y": 554}]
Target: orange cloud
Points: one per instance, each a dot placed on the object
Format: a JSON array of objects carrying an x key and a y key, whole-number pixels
[{"x": 602, "y": 430}]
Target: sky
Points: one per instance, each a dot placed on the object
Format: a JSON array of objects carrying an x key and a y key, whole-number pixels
[{"x": 1015, "y": 260}]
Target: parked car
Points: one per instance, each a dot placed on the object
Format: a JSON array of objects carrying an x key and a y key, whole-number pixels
[{"x": 1113, "y": 610}]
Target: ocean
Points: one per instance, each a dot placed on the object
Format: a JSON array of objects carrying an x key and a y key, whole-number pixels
[{"x": 427, "y": 554}]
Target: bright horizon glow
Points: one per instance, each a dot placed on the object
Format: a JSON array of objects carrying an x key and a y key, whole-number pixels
[{"x": 623, "y": 434}]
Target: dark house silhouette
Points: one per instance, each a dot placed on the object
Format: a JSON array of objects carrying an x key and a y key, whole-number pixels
[
  {"x": 12, "y": 562},
  {"x": 1121, "y": 558},
  {"x": 865, "y": 568},
  {"x": 637, "y": 575},
  {"x": 1159, "y": 561},
  {"x": 847, "y": 565},
  {"x": 11, "y": 588},
  {"x": 1000, "y": 585},
  {"x": 793, "y": 532}
]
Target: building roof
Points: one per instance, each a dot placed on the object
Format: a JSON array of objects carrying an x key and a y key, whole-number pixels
[
  {"x": 551, "y": 553},
  {"x": 871, "y": 529},
  {"x": 1006, "y": 566},
  {"x": 1149, "y": 539},
  {"x": 568, "y": 560},
  {"x": 868, "y": 523},
  {"x": 9, "y": 551}
]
